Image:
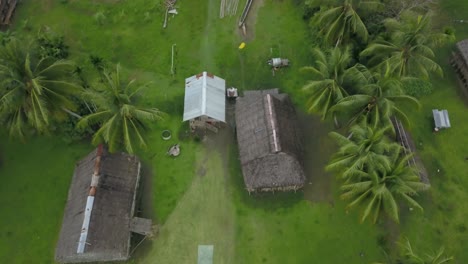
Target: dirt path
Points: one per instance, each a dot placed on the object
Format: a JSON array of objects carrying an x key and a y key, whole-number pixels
[
  {"x": 208, "y": 45},
  {"x": 205, "y": 215}
]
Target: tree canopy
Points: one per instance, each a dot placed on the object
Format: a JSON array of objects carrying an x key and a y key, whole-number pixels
[
  {"x": 120, "y": 116},
  {"x": 33, "y": 89}
]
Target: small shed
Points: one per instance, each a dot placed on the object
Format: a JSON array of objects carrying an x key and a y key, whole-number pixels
[
  {"x": 99, "y": 214},
  {"x": 441, "y": 119},
  {"x": 460, "y": 63},
  {"x": 205, "y": 101},
  {"x": 269, "y": 139}
]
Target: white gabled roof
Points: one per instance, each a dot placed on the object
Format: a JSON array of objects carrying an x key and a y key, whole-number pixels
[
  {"x": 441, "y": 118},
  {"x": 205, "y": 96}
]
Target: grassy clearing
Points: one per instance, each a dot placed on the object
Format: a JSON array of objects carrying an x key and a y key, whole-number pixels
[
  {"x": 444, "y": 155},
  {"x": 204, "y": 215},
  {"x": 33, "y": 194},
  {"x": 214, "y": 208}
]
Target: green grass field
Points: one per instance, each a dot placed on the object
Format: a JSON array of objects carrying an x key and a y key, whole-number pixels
[{"x": 198, "y": 198}]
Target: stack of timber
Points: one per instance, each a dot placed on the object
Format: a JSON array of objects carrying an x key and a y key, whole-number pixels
[{"x": 409, "y": 148}]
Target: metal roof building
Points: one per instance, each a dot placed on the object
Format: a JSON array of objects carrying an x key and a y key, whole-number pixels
[
  {"x": 441, "y": 118},
  {"x": 205, "y": 96}
]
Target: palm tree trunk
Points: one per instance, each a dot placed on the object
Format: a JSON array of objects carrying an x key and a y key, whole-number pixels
[
  {"x": 335, "y": 119},
  {"x": 338, "y": 42},
  {"x": 71, "y": 113}
]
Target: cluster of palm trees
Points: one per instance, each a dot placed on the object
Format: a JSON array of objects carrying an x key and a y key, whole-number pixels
[
  {"x": 38, "y": 91},
  {"x": 367, "y": 91}
]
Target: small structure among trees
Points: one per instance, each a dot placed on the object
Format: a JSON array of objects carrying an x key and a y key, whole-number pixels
[
  {"x": 460, "y": 63},
  {"x": 99, "y": 214},
  {"x": 205, "y": 101},
  {"x": 441, "y": 119},
  {"x": 269, "y": 142},
  {"x": 7, "y": 7}
]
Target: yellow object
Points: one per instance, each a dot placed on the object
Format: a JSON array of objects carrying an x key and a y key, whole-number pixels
[{"x": 242, "y": 45}]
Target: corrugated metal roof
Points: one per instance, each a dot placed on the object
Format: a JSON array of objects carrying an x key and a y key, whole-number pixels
[
  {"x": 205, "y": 95},
  {"x": 441, "y": 118}
]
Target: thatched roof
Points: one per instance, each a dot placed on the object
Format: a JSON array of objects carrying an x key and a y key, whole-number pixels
[
  {"x": 460, "y": 62},
  {"x": 269, "y": 141},
  {"x": 462, "y": 47},
  {"x": 108, "y": 237}
]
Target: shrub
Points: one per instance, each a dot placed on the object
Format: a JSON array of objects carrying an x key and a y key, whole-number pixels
[
  {"x": 51, "y": 45},
  {"x": 417, "y": 87}
]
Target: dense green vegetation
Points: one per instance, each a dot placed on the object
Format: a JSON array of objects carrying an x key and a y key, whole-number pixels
[{"x": 198, "y": 198}]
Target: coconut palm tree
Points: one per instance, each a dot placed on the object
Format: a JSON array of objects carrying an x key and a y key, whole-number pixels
[
  {"x": 408, "y": 51},
  {"x": 366, "y": 148},
  {"x": 380, "y": 190},
  {"x": 339, "y": 22},
  {"x": 330, "y": 76},
  {"x": 120, "y": 117},
  {"x": 376, "y": 102},
  {"x": 411, "y": 257},
  {"x": 33, "y": 90}
]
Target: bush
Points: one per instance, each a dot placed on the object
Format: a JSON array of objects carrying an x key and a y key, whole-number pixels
[
  {"x": 374, "y": 23},
  {"x": 68, "y": 129},
  {"x": 417, "y": 87},
  {"x": 70, "y": 133},
  {"x": 51, "y": 45}
]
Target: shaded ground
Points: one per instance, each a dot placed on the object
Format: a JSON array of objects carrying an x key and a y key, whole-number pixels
[{"x": 318, "y": 149}]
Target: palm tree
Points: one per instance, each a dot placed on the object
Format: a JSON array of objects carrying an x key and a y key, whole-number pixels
[
  {"x": 365, "y": 149},
  {"x": 33, "y": 90},
  {"x": 340, "y": 21},
  {"x": 330, "y": 76},
  {"x": 118, "y": 113},
  {"x": 379, "y": 190},
  {"x": 412, "y": 258},
  {"x": 409, "y": 49},
  {"x": 376, "y": 102}
]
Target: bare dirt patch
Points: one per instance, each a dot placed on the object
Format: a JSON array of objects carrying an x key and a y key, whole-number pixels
[{"x": 250, "y": 21}]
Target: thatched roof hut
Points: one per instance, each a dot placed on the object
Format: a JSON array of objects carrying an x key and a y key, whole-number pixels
[
  {"x": 98, "y": 218},
  {"x": 460, "y": 63},
  {"x": 269, "y": 141}
]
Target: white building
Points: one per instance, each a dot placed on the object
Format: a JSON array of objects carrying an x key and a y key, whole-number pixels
[
  {"x": 205, "y": 101},
  {"x": 441, "y": 119}
]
